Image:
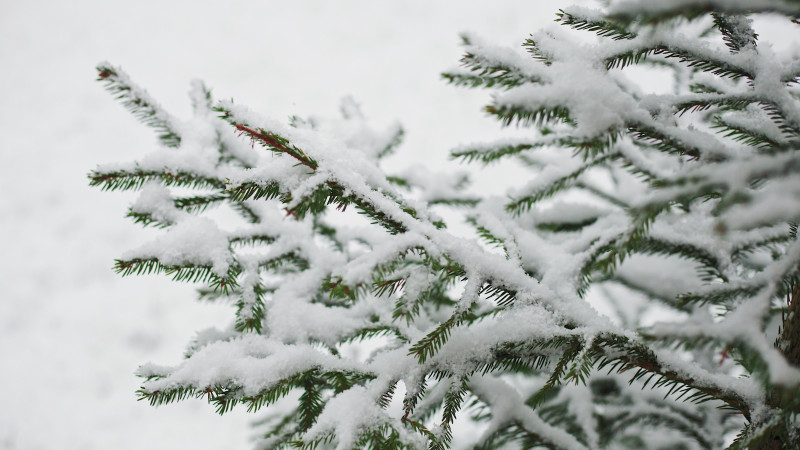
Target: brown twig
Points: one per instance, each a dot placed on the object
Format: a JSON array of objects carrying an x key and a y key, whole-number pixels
[{"x": 274, "y": 143}]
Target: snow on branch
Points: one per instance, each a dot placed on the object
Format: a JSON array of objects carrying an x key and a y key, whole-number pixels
[{"x": 644, "y": 273}]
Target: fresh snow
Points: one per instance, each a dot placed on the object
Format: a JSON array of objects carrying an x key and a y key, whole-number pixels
[{"x": 543, "y": 270}]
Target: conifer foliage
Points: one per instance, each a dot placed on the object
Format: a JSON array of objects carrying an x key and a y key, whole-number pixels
[{"x": 676, "y": 213}]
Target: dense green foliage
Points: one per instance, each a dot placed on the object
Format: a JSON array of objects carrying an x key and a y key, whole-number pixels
[{"x": 675, "y": 213}]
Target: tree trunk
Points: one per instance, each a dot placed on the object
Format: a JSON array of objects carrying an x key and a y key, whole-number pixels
[{"x": 776, "y": 437}]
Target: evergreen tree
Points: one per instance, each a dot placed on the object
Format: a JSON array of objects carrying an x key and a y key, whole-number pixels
[{"x": 676, "y": 211}]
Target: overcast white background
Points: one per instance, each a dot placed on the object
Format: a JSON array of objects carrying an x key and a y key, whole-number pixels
[{"x": 71, "y": 331}]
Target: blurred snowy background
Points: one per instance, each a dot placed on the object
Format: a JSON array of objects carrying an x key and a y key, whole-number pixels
[{"x": 71, "y": 331}]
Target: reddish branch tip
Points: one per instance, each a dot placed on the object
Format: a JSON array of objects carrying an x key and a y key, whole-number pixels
[
  {"x": 103, "y": 74},
  {"x": 725, "y": 354}
]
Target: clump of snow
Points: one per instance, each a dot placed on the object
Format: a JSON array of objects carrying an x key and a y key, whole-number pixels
[
  {"x": 353, "y": 412},
  {"x": 194, "y": 241},
  {"x": 252, "y": 362},
  {"x": 157, "y": 201}
]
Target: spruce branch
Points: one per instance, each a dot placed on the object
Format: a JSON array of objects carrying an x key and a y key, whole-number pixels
[
  {"x": 524, "y": 203},
  {"x": 490, "y": 155},
  {"x": 426, "y": 347},
  {"x": 487, "y": 73},
  {"x": 134, "y": 179},
  {"x": 642, "y": 11},
  {"x": 277, "y": 144},
  {"x": 393, "y": 142},
  {"x": 736, "y": 31},
  {"x": 703, "y": 62},
  {"x": 522, "y": 115},
  {"x": 710, "y": 265},
  {"x": 641, "y": 359},
  {"x": 184, "y": 273},
  {"x": 661, "y": 139},
  {"x": 748, "y": 136},
  {"x": 605, "y": 28},
  {"x": 139, "y": 102},
  {"x": 255, "y": 191}
]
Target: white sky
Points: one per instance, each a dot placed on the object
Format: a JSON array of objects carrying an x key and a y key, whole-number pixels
[{"x": 71, "y": 331}]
